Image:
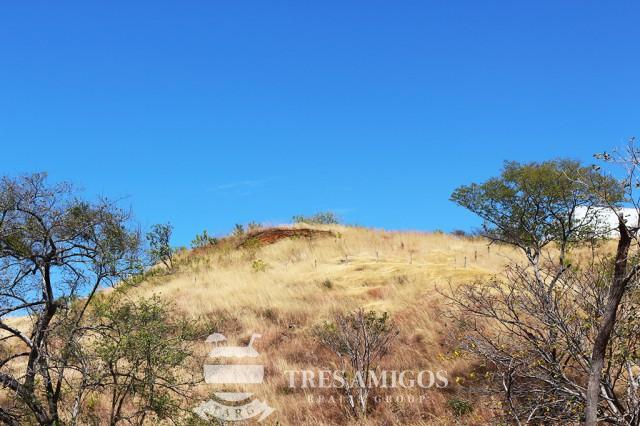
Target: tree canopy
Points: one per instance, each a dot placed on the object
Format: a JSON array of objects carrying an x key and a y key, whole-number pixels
[
  {"x": 56, "y": 250},
  {"x": 530, "y": 205}
]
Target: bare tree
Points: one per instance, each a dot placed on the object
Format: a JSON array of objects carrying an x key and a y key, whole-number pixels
[
  {"x": 359, "y": 340},
  {"x": 56, "y": 250},
  {"x": 623, "y": 275},
  {"x": 535, "y": 341}
]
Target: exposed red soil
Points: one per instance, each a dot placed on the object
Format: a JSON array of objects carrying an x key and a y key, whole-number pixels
[{"x": 273, "y": 235}]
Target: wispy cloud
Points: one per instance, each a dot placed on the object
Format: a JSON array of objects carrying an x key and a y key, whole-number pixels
[{"x": 238, "y": 187}]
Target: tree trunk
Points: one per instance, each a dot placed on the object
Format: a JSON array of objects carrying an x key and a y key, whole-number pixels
[{"x": 616, "y": 291}]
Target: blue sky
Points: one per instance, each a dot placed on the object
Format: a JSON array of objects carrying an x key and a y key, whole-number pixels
[{"x": 211, "y": 113}]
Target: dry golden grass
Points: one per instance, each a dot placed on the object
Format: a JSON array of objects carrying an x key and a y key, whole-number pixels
[
  {"x": 297, "y": 283},
  {"x": 284, "y": 289},
  {"x": 401, "y": 266}
]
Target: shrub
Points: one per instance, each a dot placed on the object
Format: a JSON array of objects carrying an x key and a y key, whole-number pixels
[
  {"x": 459, "y": 233},
  {"x": 203, "y": 240},
  {"x": 460, "y": 407},
  {"x": 358, "y": 340},
  {"x": 320, "y": 218},
  {"x": 253, "y": 226},
  {"x": 238, "y": 230},
  {"x": 259, "y": 265},
  {"x": 271, "y": 314}
]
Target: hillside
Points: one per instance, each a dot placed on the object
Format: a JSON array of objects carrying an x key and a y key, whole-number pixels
[{"x": 282, "y": 287}]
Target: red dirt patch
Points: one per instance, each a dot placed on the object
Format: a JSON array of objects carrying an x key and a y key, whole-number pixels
[{"x": 273, "y": 235}]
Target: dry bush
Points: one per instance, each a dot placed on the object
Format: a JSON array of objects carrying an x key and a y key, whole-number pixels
[
  {"x": 534, "y": 334},
  {"x": 359, "y": 340}
]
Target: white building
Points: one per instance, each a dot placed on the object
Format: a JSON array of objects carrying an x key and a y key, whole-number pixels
[{"x": 607, "y": 219}]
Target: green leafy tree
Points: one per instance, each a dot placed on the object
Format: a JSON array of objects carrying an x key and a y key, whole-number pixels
[
  {"x": 160, "y": 249},
  {"x": 532, "y": 205},
  {"x": 142, "y": 355}
]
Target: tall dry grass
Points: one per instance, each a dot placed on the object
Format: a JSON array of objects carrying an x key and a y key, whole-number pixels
[{"x": 282, "y": 290}]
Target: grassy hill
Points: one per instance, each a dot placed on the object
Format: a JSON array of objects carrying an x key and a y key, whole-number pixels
[{"x": 282, "y": 287}]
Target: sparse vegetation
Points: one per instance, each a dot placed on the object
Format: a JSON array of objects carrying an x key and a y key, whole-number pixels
[
  {"x": 320, "y": 218},
  {"x": 253, "y": 226},
  {"x": 203, "y": 240},
  {"x": 238, "y": 230}
]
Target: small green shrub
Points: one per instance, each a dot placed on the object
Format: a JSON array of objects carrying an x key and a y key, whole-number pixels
[
  {"x": 203, "y": 240},
  {"x": 327, "y": 284},
  {"x": 459, "y": 233},
  {"x": 253, "y": 226},
  {"x": 460, "y": 407},
  {"x": 238, "y": 230},
  {"x": 259, "y": 265}
]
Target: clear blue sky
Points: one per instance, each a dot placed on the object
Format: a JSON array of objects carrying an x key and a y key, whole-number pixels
[{"x": 210, "y": 113}]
